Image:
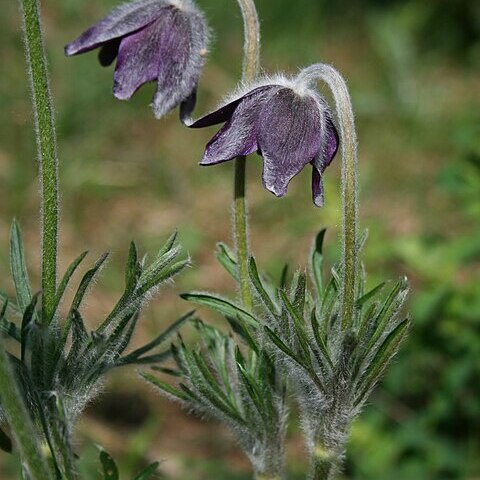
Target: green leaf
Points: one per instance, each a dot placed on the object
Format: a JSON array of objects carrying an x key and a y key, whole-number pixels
[
  {"x": 110, "y": 470},
  {"x": 221, "y": 305},
  {"x": 5, "y": 442},
  {"x": 148, "y": 471},
  {"x": 80, "y": 339},
  {"x": 12, "y": 306},
  {"x": 18, "y": 268},
  {"x": 169, "y": 244},
  {"x": 156, "y": 278},
  {"x": 283, "y": 347},
  {"x": 283, "y": 277},
  {"x": 241, "y": 329},
  {"x": 319, "y": 338},
  {"x": 173, "y": 328},
  {"x": 365, "y": 298},
  {"x": 146, "y": 360},
  {"x": 299, "y": 293},
  {"x": 257, "y": 283},
  {"x": 227, "y": 259},
  {"x": 298, "y": 321},
  {"x": 8, "y": 327},
  {"x": 317, "y": 262},
  {"x": 390, "y": 307},
  {"x": 383, "y": 357},
  {"x": 27, "y": 319},
  {"x": 157, "y": 268},
  {"x": 167, "y": 388},
  {"x": 67, "y": 277},
  {"x": 86, "y": 281},
  {"x": 132, "y": 270}
]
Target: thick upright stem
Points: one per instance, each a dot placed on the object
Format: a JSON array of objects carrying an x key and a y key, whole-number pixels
[
  {"x": 322, "y": 470},
  {"x": 250, "y": 71},
  {"x": 322, "y": 464},
  {"x": 19, "y": 421},
  {"x": 348, "y": 141},
  {"x": 46, "y": 147}
]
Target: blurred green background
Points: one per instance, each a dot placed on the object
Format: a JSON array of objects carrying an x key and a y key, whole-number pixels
[{"x": 413, "y": 68}]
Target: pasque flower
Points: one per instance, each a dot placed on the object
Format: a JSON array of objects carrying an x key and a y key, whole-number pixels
[
  {"x": 288, "y": 123},
  {"x": 153, "y": 40}
]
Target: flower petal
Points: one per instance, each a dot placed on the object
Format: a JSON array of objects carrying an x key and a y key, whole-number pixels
[
  {"x": 331, "y": 145},
  {"x": 288, "y": 137},
  {"x": 239, "y": 135},
  {"x": 139, "y": 58},
  {"x": 322, "y": 161},
  {"x": 123, "y": 20},
  {"x": 224, "y": 113},
  {"x": 183, "y": 48},
  {"x": 318, "y": 196}
]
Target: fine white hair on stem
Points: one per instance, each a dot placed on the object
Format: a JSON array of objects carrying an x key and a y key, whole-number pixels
[
  {"x": 348, "y": 143},
  {"x": 251, "y": 23}
]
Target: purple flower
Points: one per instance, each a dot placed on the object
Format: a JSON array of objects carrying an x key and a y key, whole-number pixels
[
  {"x": 286, "y": 122},
  {"x": 153, "y": 40}
]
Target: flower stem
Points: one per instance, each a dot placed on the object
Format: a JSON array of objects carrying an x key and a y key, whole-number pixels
[
  {"x": 322, "y": 464},
  {"x": 250, "y": 71},
  {"x": 46, "y": 147},
  {"x": 322, "y": 470},
  {"x": 19, "y": 421},
  {"x": 348, "y": 141},
  {"x": 241, "y": 231}
]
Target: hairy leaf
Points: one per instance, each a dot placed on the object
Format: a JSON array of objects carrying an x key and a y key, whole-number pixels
[
  {"x": 220, "y": 305},
  {"x": 19, "y": 268}
]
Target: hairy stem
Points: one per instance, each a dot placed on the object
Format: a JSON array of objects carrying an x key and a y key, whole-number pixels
[
  {"x": 322, "y": 464},
  {"x": 348, "y": 141},
  {"x": 321, "y": 470},
  {"x": 250, "y": 71},
  {"x": 46, "y": 147},
  {"x": 19, "y": 421}
]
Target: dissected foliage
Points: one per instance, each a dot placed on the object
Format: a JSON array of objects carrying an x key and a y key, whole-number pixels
[
  {"x": 58, "y": 364},
  {"x": 297, "y": 331}
]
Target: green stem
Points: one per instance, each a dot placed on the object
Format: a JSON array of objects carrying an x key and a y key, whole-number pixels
[
  {"x": 46, "y": 148},
  {"x": 241, "y": 232},
  {"x": 19, "y": 421},
  {"x": 322, "y": 470},
  {"x": 250, "y": 71},
  {"x": 348, "y": 142},
  {"x": 322, "y": 464}
]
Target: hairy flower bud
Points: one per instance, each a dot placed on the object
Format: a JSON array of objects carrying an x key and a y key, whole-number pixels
[
  {"x": 288, "y": 123},
  {"x": 153, "y": 40}
]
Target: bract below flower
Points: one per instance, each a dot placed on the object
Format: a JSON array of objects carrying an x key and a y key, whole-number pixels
[
  {"x": 153, "y": 40},
  {"x": 289, "y": 124}
]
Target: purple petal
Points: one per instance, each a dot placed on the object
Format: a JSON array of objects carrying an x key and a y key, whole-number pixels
[
  {"x": 322, "y": 161},
  {"x": 317, "y": 187},
  {"x": 138, "y": 59},
  {"x": 224, "y": 113},
  {"x": 182, "y": 50},
  {"x": 123, "y": 20},
  {"x": 288, "y": 137},
  {"x": 332, "y": 143},
  {"x": 239, "y": 135}
]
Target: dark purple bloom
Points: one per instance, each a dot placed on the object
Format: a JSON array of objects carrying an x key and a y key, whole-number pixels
[
  {"x": 287, "y": 123},
  {"x": 153, "y": 40}
]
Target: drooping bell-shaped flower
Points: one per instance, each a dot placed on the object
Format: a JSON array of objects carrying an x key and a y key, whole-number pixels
[
  {"x": 288, "y": 123},
  {"x": 162, "y": 41}
]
